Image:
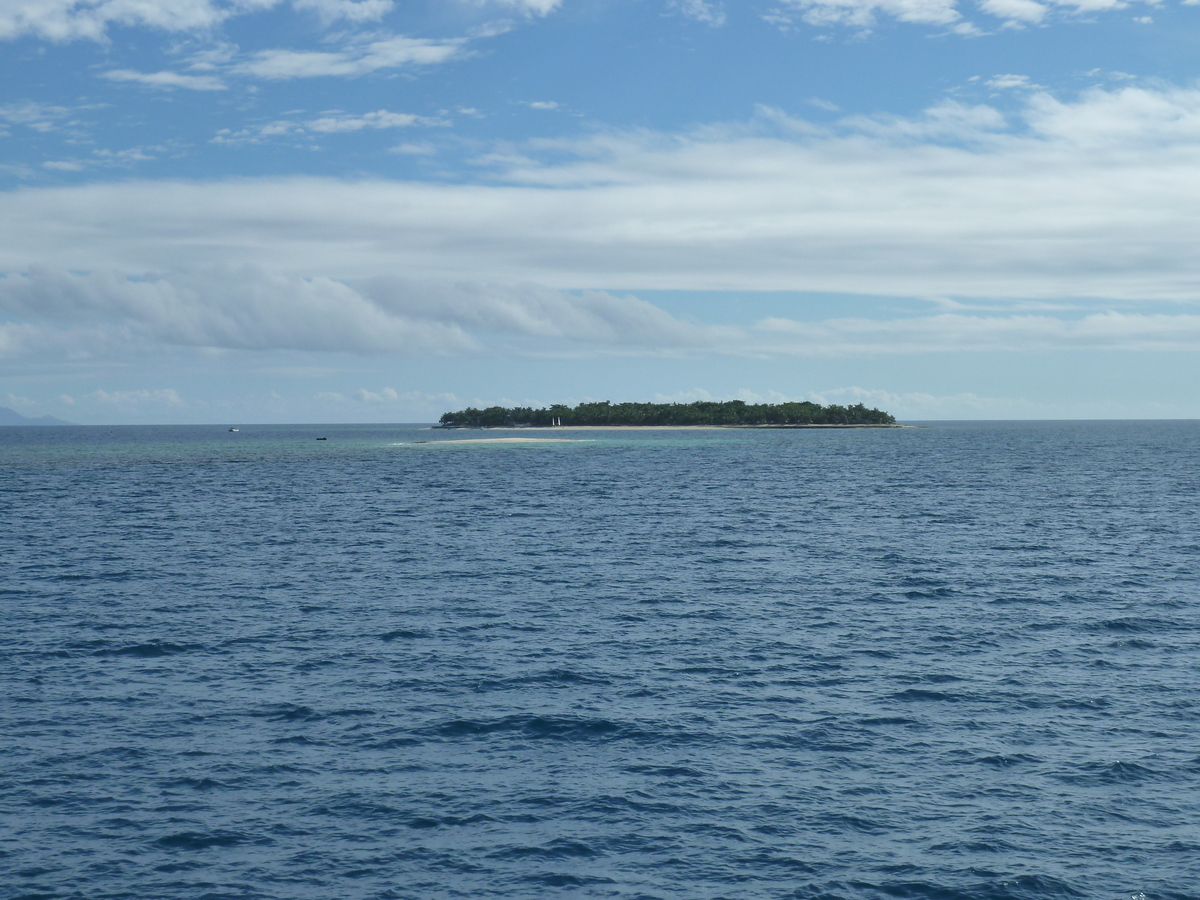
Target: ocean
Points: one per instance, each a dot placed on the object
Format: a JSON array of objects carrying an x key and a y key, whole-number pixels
[{"x": 958, "y": 661}]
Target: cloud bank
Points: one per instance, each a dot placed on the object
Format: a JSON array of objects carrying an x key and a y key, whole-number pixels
[
  {"x": 351, "y": 42},
  {"x": 351, "y": 61},
  {"x": 57, "y": 312},
  {"x": 52, "y": 313},
  {"x": 1090, "y": 197},
  {"x": 70, "y": 20},
  {"x": 945, "y": 14},
  {"x": 167, "y": 80},
  {"x": 67, "y": 20}
]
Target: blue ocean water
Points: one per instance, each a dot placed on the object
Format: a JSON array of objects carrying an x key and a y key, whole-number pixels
[{"x": 957, "y": 661}]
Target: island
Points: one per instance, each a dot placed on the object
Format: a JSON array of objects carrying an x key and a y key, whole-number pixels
[
  {"x": 12, "y": 417},
  {"x": 704, "y": 413}
]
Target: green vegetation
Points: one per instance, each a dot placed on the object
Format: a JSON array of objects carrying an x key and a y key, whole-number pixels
[{"x": 729, "y": 412}]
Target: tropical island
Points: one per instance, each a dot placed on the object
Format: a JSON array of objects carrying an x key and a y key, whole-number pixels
[{"x": 728, "y": 413}]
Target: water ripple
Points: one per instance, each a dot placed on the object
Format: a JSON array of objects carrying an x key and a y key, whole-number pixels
[{"x": 955, "y": 662}]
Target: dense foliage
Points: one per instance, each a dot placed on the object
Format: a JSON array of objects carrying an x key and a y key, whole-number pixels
[{"x": 729, "y": 412}]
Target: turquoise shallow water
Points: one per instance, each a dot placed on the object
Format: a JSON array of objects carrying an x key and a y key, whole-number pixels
[{"x": 959, "y": 661}]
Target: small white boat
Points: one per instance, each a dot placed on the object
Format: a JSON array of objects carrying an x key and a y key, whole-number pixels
[{"x": 235, "y": 429}]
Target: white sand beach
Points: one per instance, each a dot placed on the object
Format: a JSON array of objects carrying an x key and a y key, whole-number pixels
[
  {"x": 560, "y": 428},
  {"x": 504, "y": 440}
]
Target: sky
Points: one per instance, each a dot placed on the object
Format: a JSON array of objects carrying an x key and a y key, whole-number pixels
[{"x": 237, "y": 211}]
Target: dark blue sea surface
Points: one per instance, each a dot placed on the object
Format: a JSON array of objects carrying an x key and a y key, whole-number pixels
[{"x": 958, "y": 661}]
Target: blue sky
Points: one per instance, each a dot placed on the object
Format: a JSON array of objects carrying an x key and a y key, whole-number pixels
[{"x": 378, "y": 210}]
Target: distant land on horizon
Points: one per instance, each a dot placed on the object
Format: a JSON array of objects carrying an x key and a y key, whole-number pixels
[
  {"x": 12, "y": 417},
  {"x": 732, "y": 413}
]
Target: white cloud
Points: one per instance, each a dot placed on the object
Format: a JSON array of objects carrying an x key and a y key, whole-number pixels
[
  {"x": 529, "y": 7},
  {"x": 1025, "y": 11},
  {"x": 126, "y": 156},
  {"x": 863, "y": 13},
  {"x": 247, "y": 308},
  {"x": 380, "y": 119},
  {"x": 211, "y": 56},
  {"x": 55, "y": 314},
  {"x": 105, "y": 158},
  {"x": 944, "y": 13},
  {"x": 948, "y": 120},
  {"x": 545, "y": 315},
  {"x": 1012, "y": 83},
  {"x": 41, "y": 117},
  {"x": 543, "y": 104},
  {"x": 1093, "y": 196},
  {"x": 66, "y": 20},
  {"x": 1162, "y": 122},
  {"x": 12, "y": 400},
  {"x": 956, "y": 333},
  {"x": 1091, "y": 6},
  {"x": 701, "y": 10},
  {"x": 242, "y": 308},
  {"x": 167, "y": 80},
  {"x": 418, "y": 148},
  {"x": 357, "y": 59},
  {"x": 348, "y": 10},
  {"x": 329, "y": 123}
]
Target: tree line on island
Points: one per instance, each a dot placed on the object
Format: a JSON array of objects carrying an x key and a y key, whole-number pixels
[{"x": 704, "y": 412}]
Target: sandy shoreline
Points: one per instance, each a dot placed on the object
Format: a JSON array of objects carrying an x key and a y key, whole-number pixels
[
  {"x": 510, "y": 440},
  {"x": 545, "y": 428}
]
